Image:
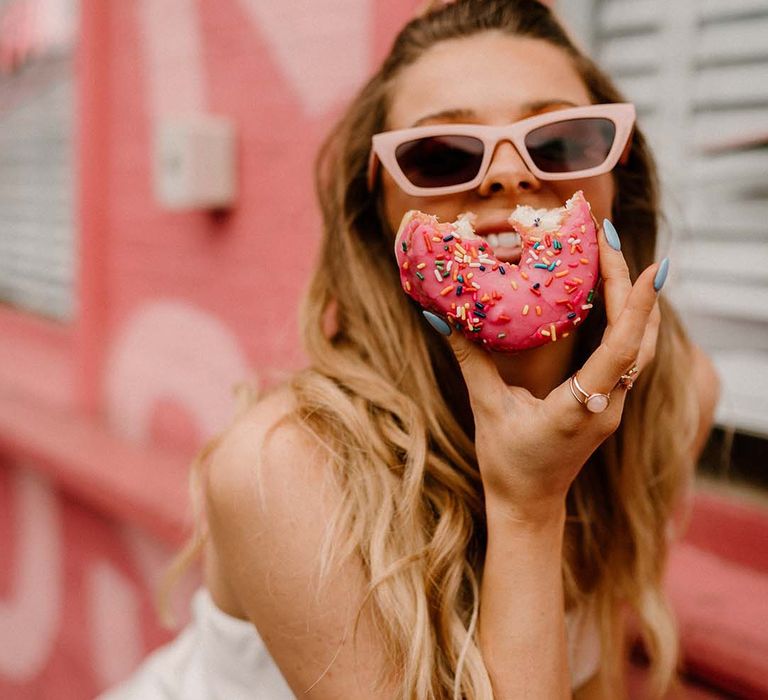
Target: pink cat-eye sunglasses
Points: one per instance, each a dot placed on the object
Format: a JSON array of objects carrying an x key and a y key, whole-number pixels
[{"x": 565, "y": 144}]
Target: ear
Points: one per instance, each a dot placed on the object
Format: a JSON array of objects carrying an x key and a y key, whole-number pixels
[{"x": 624, "y": 157}]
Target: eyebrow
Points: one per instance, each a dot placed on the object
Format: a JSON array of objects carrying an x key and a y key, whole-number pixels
[{"x": 457, "y": 114}]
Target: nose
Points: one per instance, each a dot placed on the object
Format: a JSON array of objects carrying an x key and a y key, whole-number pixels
[{"x": 508, "y": 173}]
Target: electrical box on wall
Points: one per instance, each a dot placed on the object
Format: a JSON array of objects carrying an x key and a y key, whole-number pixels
[{"x": 194, "y": 162}]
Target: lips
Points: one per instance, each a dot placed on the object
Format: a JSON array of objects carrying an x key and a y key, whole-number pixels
[{"x": 504, "y": 242}]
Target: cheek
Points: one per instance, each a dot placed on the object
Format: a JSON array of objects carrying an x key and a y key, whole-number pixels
[{"x": 598, "y": 191}]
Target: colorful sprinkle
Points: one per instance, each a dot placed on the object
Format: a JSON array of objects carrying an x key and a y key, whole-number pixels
[
  {"x": 449, "y": 237},
  {"x": 538, "y": 310},
  {"x": 421, "y": 266},
  {"x": 525, "y": 310},
  {"x": 420, "y": 276},
  {"x": 447, "y": 290}
]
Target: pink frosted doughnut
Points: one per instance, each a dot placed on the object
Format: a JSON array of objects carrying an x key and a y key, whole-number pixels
[{"x": 450, "y": 271}]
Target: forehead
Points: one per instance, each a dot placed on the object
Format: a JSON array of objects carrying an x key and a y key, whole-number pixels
[{"x": 492, "y": 74}]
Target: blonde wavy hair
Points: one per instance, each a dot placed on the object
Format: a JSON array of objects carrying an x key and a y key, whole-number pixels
[{"x": 385, "y": 396}]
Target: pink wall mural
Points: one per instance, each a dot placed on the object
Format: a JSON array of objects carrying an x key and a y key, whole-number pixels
[{"x": 175, "y": 308}]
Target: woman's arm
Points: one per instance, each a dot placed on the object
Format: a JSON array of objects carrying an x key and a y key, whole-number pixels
[{"x": 522, "y": 620}]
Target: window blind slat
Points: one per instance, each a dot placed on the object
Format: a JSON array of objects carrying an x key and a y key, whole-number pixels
[
  {"x": 624, "y": 15},
  {"x": 746, "y": 40},
  {"x": 710, "y": 129},
  {"x": 727, "y": 85},
  {"x": 712, "y": 10}
]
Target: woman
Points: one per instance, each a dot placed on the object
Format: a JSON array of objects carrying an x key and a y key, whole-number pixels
[{"x": 412, "y": 516}]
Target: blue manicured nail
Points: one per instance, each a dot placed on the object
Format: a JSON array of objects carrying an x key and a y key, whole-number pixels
[
  {"x": 437, "y": 323},
  {"x": 611, "y": 235},
  {"x": 661, "y": 275}
]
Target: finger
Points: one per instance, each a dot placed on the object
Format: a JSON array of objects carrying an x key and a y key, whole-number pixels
[
  {"x": 648, "y": 343},
  {"x": 621, "y": 347},
  {"x": 477, "y": 367},
  {"x": 614, "y": 271}
]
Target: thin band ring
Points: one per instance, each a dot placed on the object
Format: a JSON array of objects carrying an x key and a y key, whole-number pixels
[{"x": 594, "y": 403}]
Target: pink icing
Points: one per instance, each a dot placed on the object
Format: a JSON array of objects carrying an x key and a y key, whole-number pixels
[{"x": 504, "y": 306}]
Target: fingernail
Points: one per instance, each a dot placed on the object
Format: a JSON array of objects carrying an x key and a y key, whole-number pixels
[
  {"x": 611, "y": 235},
  {"x": 661, "y": 275},
  {"x": 437, "y": 323}
]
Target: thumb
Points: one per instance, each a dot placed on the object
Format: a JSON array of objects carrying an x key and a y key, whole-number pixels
[{"x": 477, "y": 367}]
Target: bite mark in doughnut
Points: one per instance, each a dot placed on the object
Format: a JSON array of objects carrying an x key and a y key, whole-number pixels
[{"x": 506, "y": 307}]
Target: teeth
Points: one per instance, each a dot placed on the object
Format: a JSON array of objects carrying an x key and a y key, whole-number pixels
[
  {"x": 493, "y": 240},
  {"x": 509, "y": 239}
]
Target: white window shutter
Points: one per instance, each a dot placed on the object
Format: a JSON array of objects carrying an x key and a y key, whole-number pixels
[
  {"x": 698, "y": 72},
  {"x": 37, "y": 230}
]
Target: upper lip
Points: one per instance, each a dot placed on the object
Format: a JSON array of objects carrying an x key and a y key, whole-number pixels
[{"x": 495, "y": 225}]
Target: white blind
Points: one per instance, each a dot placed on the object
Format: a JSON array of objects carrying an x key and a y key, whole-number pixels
[
  {"x": 37, "y": 246},
  {"x": 698, "y": 72}
]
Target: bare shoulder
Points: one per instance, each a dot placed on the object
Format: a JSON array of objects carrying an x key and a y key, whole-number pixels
[
  {"x": 270, "y": 496},
  {"x": 263, "y": 452},
  {"x": 708, "y": 391}
]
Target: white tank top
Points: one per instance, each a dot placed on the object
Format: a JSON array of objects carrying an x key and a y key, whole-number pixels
[{"x": 220, "y": 657}]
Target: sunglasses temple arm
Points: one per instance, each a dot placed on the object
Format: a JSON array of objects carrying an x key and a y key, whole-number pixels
[
  {"x": 624, "y": 157},
  {"x": 373, "y": 168}
]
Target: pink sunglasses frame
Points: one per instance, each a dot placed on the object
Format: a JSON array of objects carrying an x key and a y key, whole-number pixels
[{"x": 622, "y": 114}]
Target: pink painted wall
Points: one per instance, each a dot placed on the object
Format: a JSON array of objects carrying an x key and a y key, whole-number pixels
[{"x": 98, "y": 420}]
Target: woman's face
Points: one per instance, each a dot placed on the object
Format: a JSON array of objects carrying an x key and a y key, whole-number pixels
[{"x": 492, "y": 78}]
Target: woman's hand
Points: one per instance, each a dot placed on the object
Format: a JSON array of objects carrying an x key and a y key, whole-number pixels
[{"x": 529, "y": 450}]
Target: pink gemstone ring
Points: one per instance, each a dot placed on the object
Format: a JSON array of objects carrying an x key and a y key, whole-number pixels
[{"x": 595, "y": 403}]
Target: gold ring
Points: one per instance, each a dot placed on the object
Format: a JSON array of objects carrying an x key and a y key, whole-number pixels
[
  {"x": 595, "y": 403},
  {"x": 627, "y": 380}
]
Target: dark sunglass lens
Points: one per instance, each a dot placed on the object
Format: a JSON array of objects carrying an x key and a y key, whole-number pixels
[
  {"x": 440, "y": 161},
  {"x": 568, "y": 146}
]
